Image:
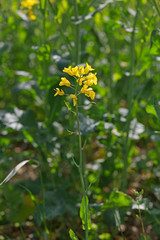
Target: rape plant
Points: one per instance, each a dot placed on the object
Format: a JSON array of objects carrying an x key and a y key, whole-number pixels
[
  {"x": 84, "y": 79},
  {"x": 139, "y": 196},
  {"x": 28, "y": 5}
]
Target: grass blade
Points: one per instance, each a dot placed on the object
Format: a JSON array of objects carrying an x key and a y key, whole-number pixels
[{"x": 15, "y": 170}]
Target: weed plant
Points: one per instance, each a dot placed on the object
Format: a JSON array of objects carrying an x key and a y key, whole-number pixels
[{"x": 73, "y": 152}]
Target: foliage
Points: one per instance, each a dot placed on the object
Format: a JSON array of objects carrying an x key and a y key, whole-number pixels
[{"x": 40, "y": 192}]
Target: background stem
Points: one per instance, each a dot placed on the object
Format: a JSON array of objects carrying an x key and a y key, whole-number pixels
[
  {"x": 82, "y": 177},
  {"x": 156, "y": 6},
  {"x": 77, "y": 35},
  {"x": 130, "y": 100}
]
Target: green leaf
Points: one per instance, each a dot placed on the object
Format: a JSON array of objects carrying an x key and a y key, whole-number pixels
[
  {"x": 157, "y": 108},
  {"x": 117, "y": 199},
  {"x": 83, "y": 210},
  {"x": 72, "y": 235},
  {"x": 151, "y": 110},
  {"x": 28, "y": 119},
  {"x": 3, "y": 49},
  {"x": 142, "y": 237},
  {"x": 33, "y": 200},
  {"x": 153, "y": 33},
  {"x": 43, "y": 4},
  {"x": 7, "y": 237},
  {"x": 29, "y": 137},
  {"x": 155, "y": 42}
]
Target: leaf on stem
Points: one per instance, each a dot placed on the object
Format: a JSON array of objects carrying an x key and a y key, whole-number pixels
[
  {"x": 83, "y": 210},
  {"x": 117, "y": 199},
  {"x": 72, "y": 235},
  {"x": 151, "y": 110},
  {"x": 157, "y": 108}
]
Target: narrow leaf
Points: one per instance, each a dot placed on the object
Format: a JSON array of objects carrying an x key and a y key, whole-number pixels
[
  {"x": 157, "y": 108},
  {"x": 15, "y": 170},
  {"x": 43, "y": 4},
  {"x": 153, "y": 33},
  {"x": 83, "y": 210},
  {"x": 34, "y": 200},
  {"x": 151, "y": 110},
  {"x": 72, "y": 235}
]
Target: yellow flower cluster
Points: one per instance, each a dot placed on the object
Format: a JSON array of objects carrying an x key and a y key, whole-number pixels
[
  {"x": 28, "y": 4},
  {"x": 84, "y": 78}
]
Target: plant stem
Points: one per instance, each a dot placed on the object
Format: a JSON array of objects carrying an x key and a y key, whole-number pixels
[
  {"x": 156, "y": 6},
  {"x": 43, "y": 205},
  {"x": 61, "y": 30},
  {"x": 81, "y": 172},
  {"x": 111, "y": 44},
  {"x": 77, "y": 35},
  {"x": 22, "y": 232},
  {"x": 144, "y": 234},
  {"x": 130, "y": 99},
  {"x": 140, "y": 216},
  {"x": 44, "y": 63},
  {"x": 81, "y": 163}
]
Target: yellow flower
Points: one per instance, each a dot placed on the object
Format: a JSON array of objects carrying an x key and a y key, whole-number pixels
[
  {"x": 64, "y": 82},
  {"x": 68, "y": 70},
  {"x": 88, "y": 68},
  {"x": 28, "y": 3},
  {"x": 74, "y": 99},
  {"x": 31, "y": 15},
  {"x": 80, "y": 80},
  {"x": 91, "y": 79},
  {"x": 81, "y": 71},
  {"x": 83, "y": 78},
  {"x": 72, "y": 71},
  {"x": 84, "y": 89},
  {"x": 78, "y": 71},
  {"x": 75, "y": 71},
  {"x": 90, "y": 93},
  {"x": 59, "y": 92}
]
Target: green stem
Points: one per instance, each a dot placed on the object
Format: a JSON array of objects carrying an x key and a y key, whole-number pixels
[
  {"x": 111, "y": 44},
  {"x": 81, "y": 163},
  {"x": 43, "y": 205},
  {"x": 22, "y": 232},
  {"x": 44, "y": 63},
  {"x": 77, "y": 35},
  {"x": 60, "y": 29},
  {"x": 82, "y": 173},
  {"x": 156, "y": 6},
  {"x": 130, "y": 99},
  {"x": 140, "y": 216}
]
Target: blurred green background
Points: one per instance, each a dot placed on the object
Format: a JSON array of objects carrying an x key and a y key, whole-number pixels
[{"x": 121, "y": 41}]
